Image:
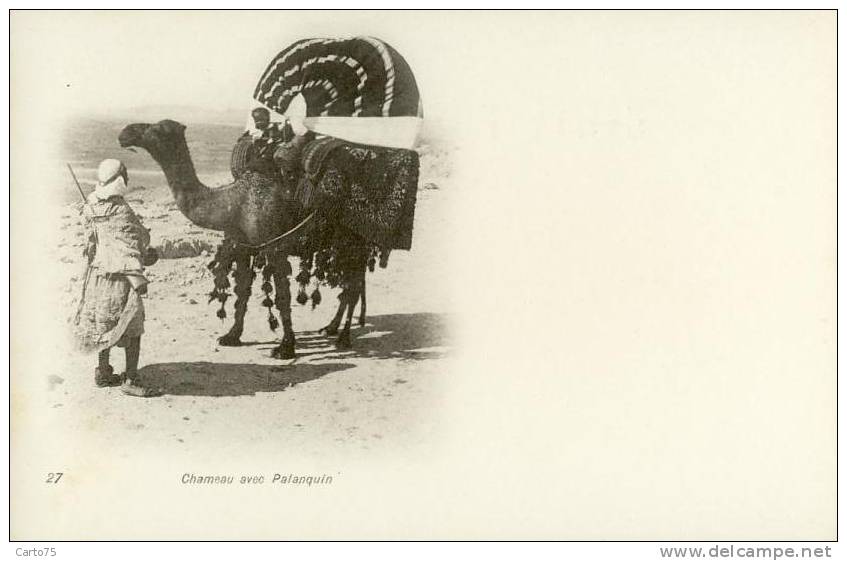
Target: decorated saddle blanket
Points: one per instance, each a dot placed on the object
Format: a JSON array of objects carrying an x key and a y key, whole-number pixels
[{"x": 372, "y": 190}]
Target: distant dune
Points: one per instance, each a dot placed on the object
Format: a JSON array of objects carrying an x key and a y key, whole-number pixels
[
  {"x": 211, "y": 134},
  {"x": 183, "y": 113},
  {"x": 85, "y": 142}
]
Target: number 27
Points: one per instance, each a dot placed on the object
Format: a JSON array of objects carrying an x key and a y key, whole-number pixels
[{"x": 54, "y": 477}]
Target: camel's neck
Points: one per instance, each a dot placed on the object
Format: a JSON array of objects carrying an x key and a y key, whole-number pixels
[
  {"x": 216, "y": 209},
  {"x": 182, "y": 179}
]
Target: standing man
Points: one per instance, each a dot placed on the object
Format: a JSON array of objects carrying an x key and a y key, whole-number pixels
[{"x": 111, "y": 312}]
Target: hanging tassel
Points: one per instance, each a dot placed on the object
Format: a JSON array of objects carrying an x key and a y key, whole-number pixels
[
  {"x": 267, "y": 302},
  {"x": 383, "y": 258},
  {"x": 267, "y": 288},
  {"x": 316, "y": 297},
  {"x": 221, "y": 266},
  {"x": 302, "y": 298},
  {"x": 272, "y": 321},
  {"x": 303, "y": 277}
]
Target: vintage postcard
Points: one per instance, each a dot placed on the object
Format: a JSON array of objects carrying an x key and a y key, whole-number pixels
[{"x": 423, "y": 275}]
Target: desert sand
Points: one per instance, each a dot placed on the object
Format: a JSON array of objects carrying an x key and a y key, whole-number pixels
[{"x": 382, "y": 396}]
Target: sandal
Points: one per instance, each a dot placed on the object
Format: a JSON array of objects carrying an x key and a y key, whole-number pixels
[
  {"x": 107, "y": 378},
  {"x": 133, "y": 388}
]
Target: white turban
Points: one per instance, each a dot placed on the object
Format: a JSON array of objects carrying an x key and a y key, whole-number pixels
[{"x": 110, "y": 180}]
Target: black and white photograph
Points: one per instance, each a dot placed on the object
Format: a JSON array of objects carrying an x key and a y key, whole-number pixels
[{"x": 423, "y": 275}]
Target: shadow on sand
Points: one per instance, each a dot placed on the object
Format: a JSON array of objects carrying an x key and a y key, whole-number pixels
[
  {"x": 220, "y": 379},
  {"x": 395, "y": 336},
  {"x": 398, "y": 336}
]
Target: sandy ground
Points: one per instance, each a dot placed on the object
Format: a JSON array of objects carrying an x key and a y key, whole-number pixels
[{"x": 383, "y": 396}]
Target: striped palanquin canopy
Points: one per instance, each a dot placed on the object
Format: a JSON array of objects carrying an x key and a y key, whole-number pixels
[{"x": 357, "y": 89}]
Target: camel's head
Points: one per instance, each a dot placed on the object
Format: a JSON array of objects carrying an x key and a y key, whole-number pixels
[{"x": 163, "y": 138}]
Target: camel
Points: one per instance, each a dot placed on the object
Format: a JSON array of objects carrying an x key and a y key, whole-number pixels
[{"x": 251, "y": 210}]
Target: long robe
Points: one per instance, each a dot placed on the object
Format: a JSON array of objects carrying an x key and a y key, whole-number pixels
[{"x": 111, "y": 310}]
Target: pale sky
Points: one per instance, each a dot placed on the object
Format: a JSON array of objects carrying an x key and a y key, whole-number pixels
[
  {"x": 501, "y": 79},
  {"x": 94, "y": 61}
]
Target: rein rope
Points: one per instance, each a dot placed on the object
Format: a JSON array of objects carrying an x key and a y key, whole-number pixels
[{"x": 279, "y": 238}]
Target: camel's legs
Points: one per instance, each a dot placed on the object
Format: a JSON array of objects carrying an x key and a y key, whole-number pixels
[
  {"x": 353, "y": 291},
  {"x": 332, "y": 328},
  {"x": 364, "y": 303},
  {"x": 283, "y": 304},
  {"x": 243, "y": 286}
]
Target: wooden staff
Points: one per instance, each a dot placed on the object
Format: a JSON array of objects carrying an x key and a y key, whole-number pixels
[{"x": 96, "y": 241}]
